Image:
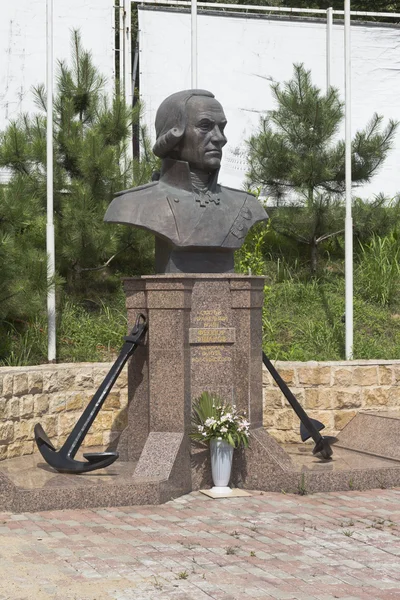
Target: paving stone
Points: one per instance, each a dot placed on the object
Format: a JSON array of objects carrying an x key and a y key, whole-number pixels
[{"x": 284, "y": 547}]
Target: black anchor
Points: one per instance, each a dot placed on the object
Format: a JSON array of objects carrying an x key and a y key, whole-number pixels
[
  {"x": 63, "y": 460},
  {"x": 308, "y": 427}
]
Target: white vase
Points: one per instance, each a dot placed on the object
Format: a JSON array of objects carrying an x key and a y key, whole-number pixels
[{"x": 221, "y": 465}]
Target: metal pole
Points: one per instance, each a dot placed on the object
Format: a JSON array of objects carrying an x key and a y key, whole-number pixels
[
  {"x": 50, "y": 245},
  {"x": 121, "y": 46},
  {"x": 194, "y": 43},
  {"x": 329, "y": 27},
  {"x": 128, "y": 88},
  {"x": 349, "y": 220}
]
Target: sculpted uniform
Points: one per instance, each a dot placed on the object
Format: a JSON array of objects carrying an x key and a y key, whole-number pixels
[{"x": 195, "y": 231}]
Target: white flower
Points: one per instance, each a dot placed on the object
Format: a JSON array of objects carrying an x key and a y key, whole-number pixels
[
  {"x": 204, "y": 433},
  {"x": 224, "y": 429},
  {"x": 210, "y": 421},
  {"x": 200, "y": 427}
]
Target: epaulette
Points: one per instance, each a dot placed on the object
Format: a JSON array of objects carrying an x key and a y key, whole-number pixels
[
  {"x": 226, "y": 187},
  {"x": 137, "y": 189}
]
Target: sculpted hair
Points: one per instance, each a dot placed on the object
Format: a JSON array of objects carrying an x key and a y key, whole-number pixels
[{"x": 171, "y": 120}]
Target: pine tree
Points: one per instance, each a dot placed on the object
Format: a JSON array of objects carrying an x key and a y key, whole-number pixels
[
  {"x": 298, "y": 160},
  {"x": 91, "y": 133}
]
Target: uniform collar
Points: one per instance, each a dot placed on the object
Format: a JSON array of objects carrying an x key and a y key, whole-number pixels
[{"x": 176, "y": 173}]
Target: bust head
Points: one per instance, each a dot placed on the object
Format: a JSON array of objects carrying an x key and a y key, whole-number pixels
[{"x": 190, "y": 127}]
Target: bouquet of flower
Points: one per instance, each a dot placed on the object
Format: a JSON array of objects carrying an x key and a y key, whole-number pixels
[{"x": 212, "y": 418}]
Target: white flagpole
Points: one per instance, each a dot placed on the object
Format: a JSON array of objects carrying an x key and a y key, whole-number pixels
[
  {"x": 194, "y": 44},
  {"x": 50, "y": 245},
  {"x": 329, "y": 27},
  {"x": 349, "y": 219}
]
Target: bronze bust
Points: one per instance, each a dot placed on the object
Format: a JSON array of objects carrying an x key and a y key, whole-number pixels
[{"x": 198, "y": 224}]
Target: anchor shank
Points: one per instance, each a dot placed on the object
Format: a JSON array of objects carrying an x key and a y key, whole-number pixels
[
  {"x": 85, "y": 421},
  {"x": 291, "y": 398}
]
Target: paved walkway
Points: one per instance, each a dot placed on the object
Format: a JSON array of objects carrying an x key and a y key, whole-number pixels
[{"x": 325, "y": 546}]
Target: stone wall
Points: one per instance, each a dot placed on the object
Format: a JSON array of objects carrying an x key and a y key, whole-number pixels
[
  {"x": 331, "y": 392},
  {"x": 55, "y": 396}
]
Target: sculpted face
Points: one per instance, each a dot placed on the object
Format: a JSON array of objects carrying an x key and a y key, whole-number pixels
[{"x": 204, "y": 135}]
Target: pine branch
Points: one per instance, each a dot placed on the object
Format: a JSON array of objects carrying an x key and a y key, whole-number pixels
[{"x": 106, "y": 264}]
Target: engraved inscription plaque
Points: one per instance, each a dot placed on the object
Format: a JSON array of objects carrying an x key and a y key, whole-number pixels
[{"x": 203, "y": 335}]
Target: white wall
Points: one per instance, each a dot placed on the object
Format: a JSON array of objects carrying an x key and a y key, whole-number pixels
[
  {"x": 238, "y": 57},
  {"x": 23, "y": 45}
]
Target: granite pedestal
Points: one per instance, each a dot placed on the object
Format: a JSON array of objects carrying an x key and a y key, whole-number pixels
[{"x": 205, "y": 334}]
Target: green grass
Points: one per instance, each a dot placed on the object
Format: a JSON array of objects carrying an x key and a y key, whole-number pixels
[
  {"x": 302, "y": 317},
  {"x": 304, "y": 321},
  {"x": 87, "y": 331}
]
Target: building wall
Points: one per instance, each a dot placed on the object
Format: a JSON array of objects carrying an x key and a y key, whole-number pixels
[
  {"x": 23, "y": 48},
  {"x": 240, "y": 55},
  {"x": 331, "y": 392}
]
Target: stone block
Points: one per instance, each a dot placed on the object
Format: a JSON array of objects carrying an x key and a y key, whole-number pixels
[
  {"x": 122, "y": 381},
  {"x": 93, "y": 439},
  {"x": 66, "y": 423},
  {"x": 3, "y": 452},
  {"x": 57, "y": 403},
  {"x": 318, "y": 398},
  {"x": 6, "y": 432},
  {"x": 23, "y": 430},
  {"x": 314, "y": 375},
  {"x": 343, "y": 417},
  {"x": 365, "y": 376},
  {"x": 396, "y": 375},
  {"x": 66, "y": 379},
  {"x": 288, "y": 376},
  {"x": 3, "y": 408},
  {"x": 267, "y": 378},
  {"x": 119, "y": 420},
  {"x": 104, "y": 420},
  {"x": 342, "y": 376},
  {"x": 112, "y": 401},
  {"x": 273, "y": 398},
  {"x": 50, "y": 425},
  {"x": 40, "y": 404},
  {"x": 378, "y": 396},
  {"x": 347, "y": 398},
  {"x": 75, "y": 400},
  {"x": 123, "y": 397},
  {"x": 394, "y": 397},
  {"x": 19, "y": 449},
  {"x": 35, "y": 382},
  {"x": 26, "y": 406},
  {"x": 99, "y": 375},
  {"x": 325, "y": 416},
  {"x": 385, "y": 375},
  {"x": 50, "y": 381},
  {"x": 285, "y": 419},
  {"x": 268, "y": 418},
  {"x": 20, "y": 384},
  {"x": 8, "y": 385},
  {"x": 13, "y": 408},
  {"x": 84, "y": 379}
]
